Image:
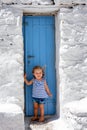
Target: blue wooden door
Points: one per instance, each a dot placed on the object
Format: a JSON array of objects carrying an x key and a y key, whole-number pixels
[{"x": 39, "y": 48}]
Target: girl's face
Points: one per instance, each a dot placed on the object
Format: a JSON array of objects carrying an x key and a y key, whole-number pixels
[{"x": 38, "y": 74}]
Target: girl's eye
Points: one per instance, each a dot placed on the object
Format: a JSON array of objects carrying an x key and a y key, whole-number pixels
[{"x": 38, "y": 73}]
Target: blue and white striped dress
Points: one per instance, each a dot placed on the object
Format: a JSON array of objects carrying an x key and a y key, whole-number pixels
[{"x": 39, "y": 89}]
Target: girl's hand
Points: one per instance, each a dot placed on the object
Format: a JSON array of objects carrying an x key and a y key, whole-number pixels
[
  {"x": 50, "y": 94},
  {"x": 26, "y": 81},
  {"x": 25, "y": 76}
]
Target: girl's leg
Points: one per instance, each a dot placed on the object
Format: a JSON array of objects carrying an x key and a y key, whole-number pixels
[
  {"x": 36, "y": 106},
  {"x": 41, "y": 106}
]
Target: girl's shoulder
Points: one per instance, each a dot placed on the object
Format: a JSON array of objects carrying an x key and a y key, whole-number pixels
[
  {"x": 43, "y": 80},
  {"x": 33, "y": 80}
]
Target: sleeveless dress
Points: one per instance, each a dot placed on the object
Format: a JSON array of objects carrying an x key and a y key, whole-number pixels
[{"x": 38, "y": 90}]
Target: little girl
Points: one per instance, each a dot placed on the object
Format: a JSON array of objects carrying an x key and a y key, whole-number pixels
[{"x": 40, "y": 92}]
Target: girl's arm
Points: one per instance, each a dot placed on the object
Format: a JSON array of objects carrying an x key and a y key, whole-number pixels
[
  {"x": 26, "y": 81},
  {"x": 47, "y": 89}
]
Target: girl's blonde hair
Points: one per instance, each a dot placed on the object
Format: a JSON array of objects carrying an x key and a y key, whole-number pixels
[{"x": 38, "y": 67}]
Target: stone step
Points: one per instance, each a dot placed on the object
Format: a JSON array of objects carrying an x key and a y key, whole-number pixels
[{"x": 11, "y": 117}]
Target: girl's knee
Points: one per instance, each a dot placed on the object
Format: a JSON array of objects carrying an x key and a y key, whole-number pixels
[{"x": 36, "y": 105}]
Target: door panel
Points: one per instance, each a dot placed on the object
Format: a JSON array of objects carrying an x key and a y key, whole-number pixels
[{"x": 39, "y": 49}]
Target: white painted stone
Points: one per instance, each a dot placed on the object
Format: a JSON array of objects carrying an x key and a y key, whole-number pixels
[
  {"x": 53, "y": 125},
  {"x": 69, "y": 2},
  {"x": 11, "y": 70},
  {"x": 76, "y": 114},
  {"x": 71, "y": 50},
  {"x": 11, "y": 117},
  {"x": 78, "y": 108},
  {"x": 72, "y": 66},
  {"x": 8, "y": 1},
  {"x": 33, "y": 2},
  {"x": 44, "y": 2}
]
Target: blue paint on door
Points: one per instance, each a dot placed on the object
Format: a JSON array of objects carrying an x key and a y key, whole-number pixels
[{"x": 39, "y": 48}]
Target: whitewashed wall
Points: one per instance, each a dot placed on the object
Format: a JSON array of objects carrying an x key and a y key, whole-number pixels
[
  {"x": 11, "y": 56},
  {"x": 73, "y": 52},
  {"x": 69, "y": 2},
  {"x": 73, "y": 66},
  {"x": 11, "y": 70},
  {"x": 41, "y": 2},
  {"x": 71, "y": 58}
]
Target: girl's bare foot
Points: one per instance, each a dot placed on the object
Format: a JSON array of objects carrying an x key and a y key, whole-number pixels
[
  {"x": 34, "y": 118},
  {"x": 41, "y": 119}
]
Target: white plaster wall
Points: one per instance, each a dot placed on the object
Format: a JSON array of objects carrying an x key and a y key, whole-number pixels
[
  {"x": 71, "y": 59},
  {"x": 31, "y": 2},
  {"x": 11, "y": 117},
  {"x": 73, "y": 52},
  {"x": 73, "y": 66},
  {"x": 69, "y": 2},
  {"x": 11, "y": 70},
  {"x": 11, "y": 57}
]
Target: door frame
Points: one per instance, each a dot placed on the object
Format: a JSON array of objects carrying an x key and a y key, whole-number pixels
[{"x": 57, "y": 41}]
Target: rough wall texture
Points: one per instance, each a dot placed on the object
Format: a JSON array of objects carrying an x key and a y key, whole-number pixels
[
  {"x": 30, "y": 2},
  {"x": 11, "y": 57},
  {"x": 73, "y": 53},
  {"x": 11, "y": 117},
  {"x": 69, "y": 2},
  {"x": 11, "y": 70},
  {"x": 73, "y": 65}
]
